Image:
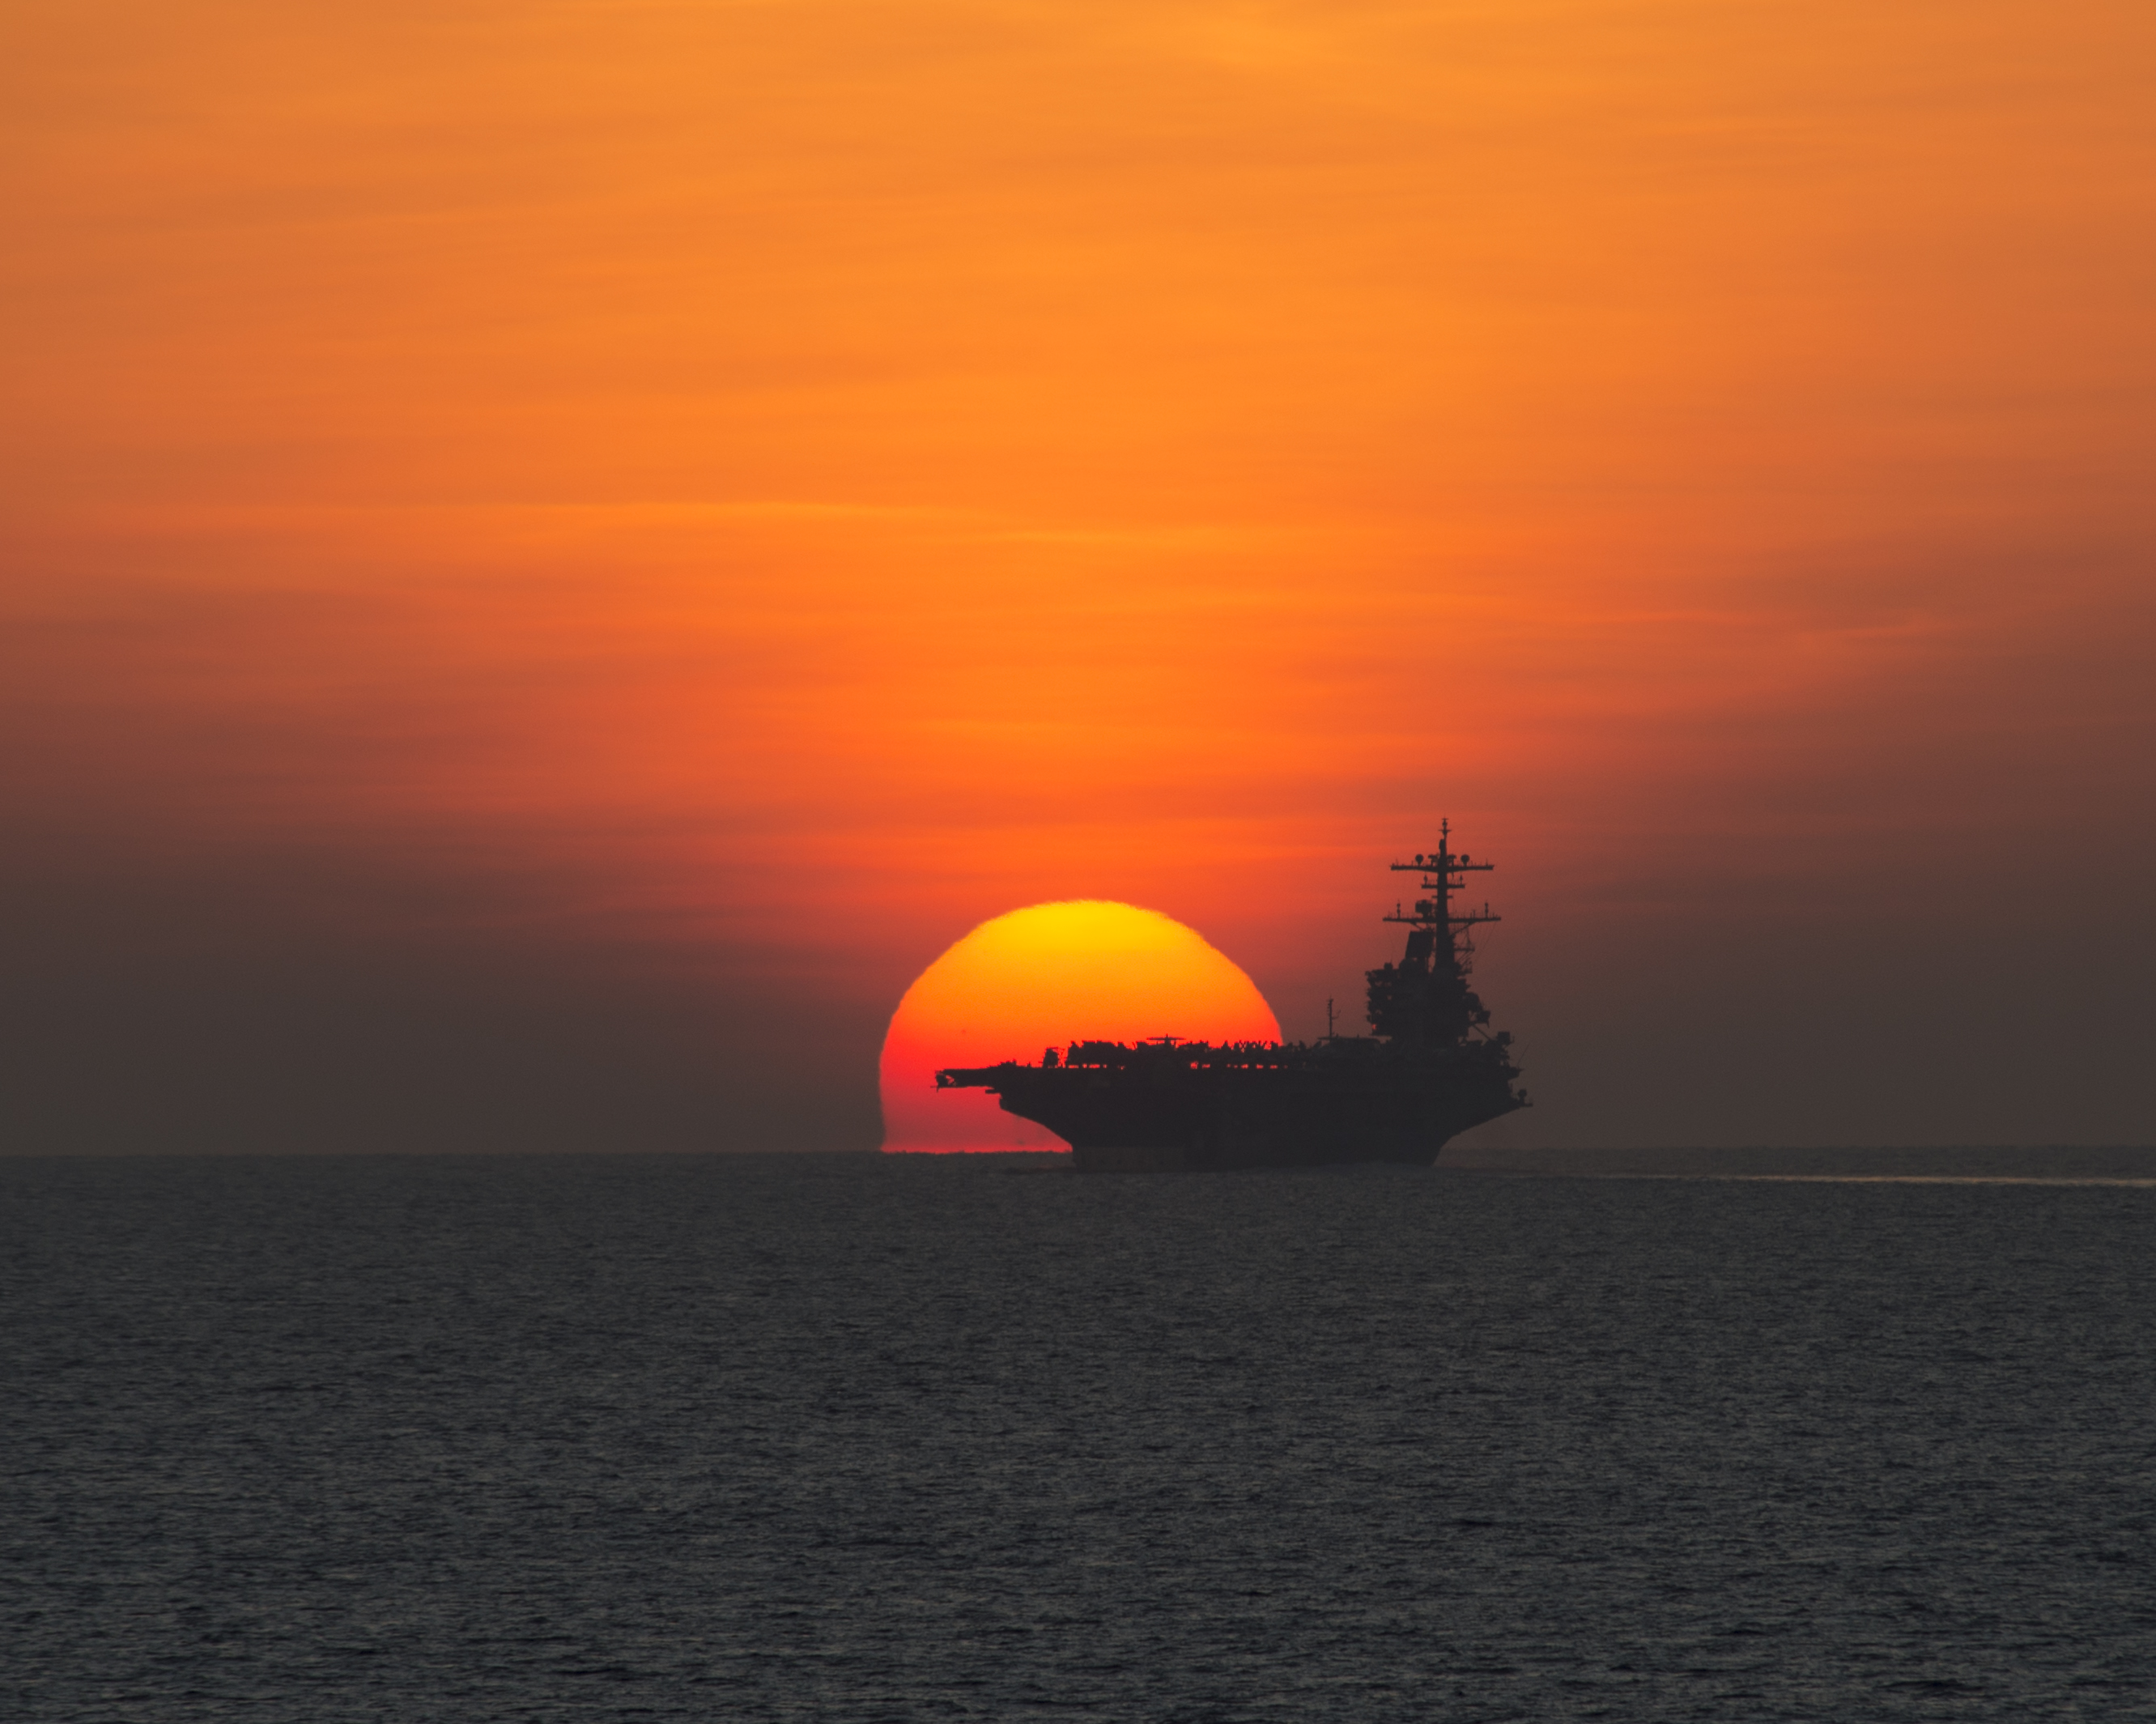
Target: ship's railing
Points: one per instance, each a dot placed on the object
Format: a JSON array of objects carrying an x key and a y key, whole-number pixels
[
  {"x": 1157, "y": 1057},
  {"x": 1205, "y": 1055}
]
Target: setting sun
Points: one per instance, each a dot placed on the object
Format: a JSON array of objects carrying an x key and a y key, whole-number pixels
[{"x": 1042, "y": 977}]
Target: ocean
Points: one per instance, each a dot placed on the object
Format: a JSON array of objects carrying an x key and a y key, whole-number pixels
[{"x": 852, "y": 1437}]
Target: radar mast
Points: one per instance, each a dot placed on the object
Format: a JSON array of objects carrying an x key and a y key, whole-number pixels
[
  {"x": 1424, "y": 998},
  {"x": 1440, "y": 871}
]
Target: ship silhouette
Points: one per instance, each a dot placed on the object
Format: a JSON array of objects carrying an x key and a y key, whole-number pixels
[{"x": 1431, "y": 1069}]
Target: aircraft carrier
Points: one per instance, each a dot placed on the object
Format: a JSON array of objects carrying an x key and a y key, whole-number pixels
[{"x": 1431, "y": 1069}]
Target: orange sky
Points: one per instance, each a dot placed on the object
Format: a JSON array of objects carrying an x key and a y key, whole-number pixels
[{"x": 562, "y": 533}]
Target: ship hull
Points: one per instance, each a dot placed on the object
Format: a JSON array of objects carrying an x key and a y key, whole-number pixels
[{"x": 1175, "y": 1121}]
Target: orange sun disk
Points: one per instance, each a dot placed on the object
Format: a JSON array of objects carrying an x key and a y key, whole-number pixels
[{"x": 1044, "y": 977}]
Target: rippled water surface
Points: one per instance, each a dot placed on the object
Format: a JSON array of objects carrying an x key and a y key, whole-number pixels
[{"x": 851, "y": 1438}]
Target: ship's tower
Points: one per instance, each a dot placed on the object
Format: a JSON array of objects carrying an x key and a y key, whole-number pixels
[{"x": 1425, "y": 997}]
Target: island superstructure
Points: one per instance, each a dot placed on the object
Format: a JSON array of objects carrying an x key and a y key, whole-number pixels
[{"x": 1430, "y": 1068}]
